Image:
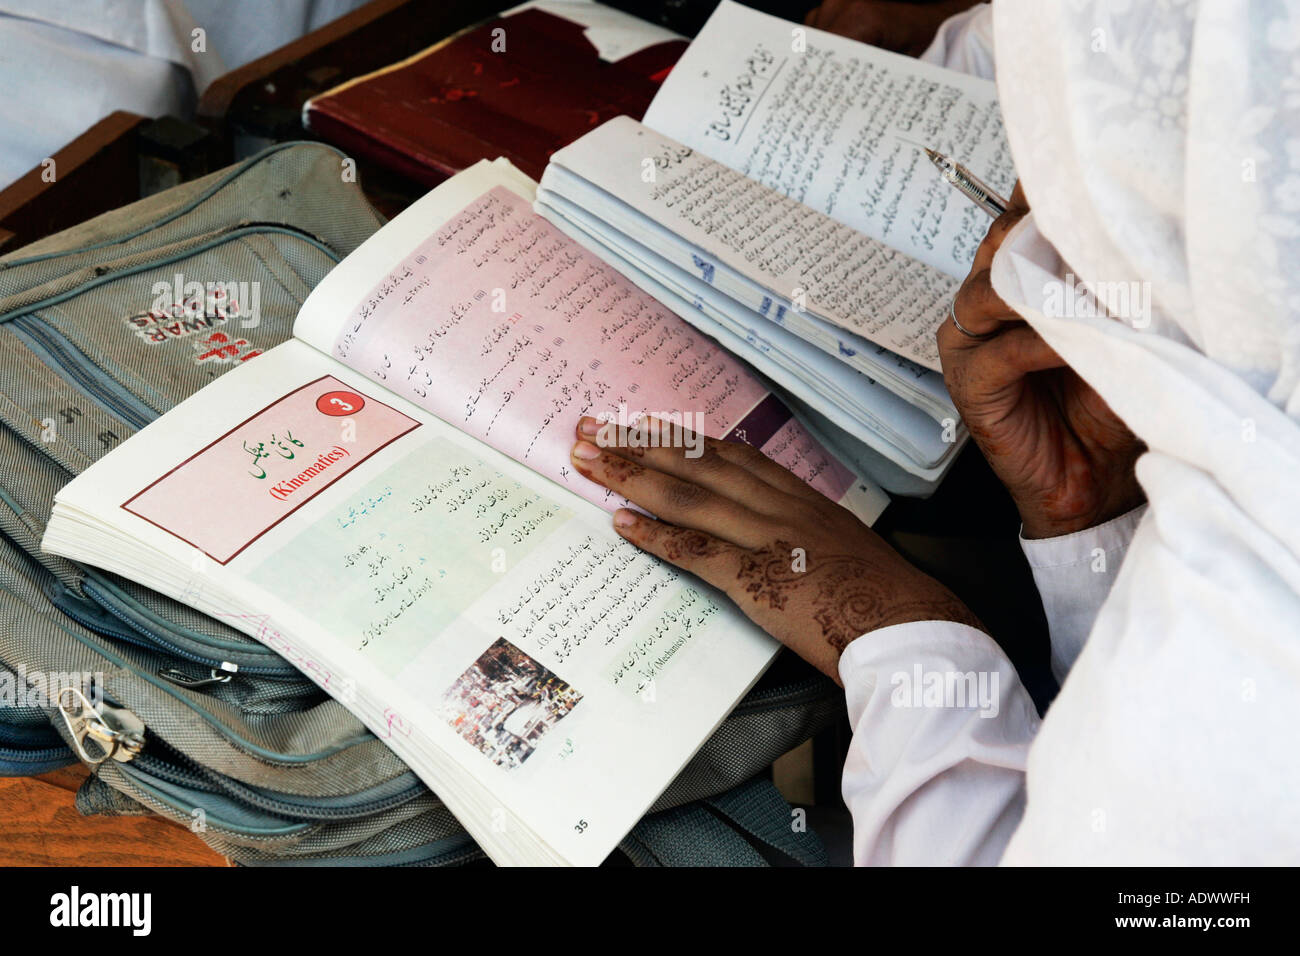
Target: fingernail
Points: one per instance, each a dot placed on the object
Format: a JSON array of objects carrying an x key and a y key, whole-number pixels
[
  {"x": 624, "y": 518},
  {"x": 586, "y": 451},
  {"x": 588, "y": 425}
]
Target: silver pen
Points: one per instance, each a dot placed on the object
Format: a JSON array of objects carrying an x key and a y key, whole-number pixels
[{"x": 968, "y": 184}]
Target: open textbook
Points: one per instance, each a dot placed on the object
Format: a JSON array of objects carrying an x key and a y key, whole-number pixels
[
  {"x": 777, "y": 198},
  {"x": 389, "y": 503}
]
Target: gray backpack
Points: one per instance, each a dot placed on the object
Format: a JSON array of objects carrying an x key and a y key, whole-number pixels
[{"x": 185, "y": 716}]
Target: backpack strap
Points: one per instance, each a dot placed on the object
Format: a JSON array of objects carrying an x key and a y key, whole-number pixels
[
  {"x": 758, "y": 808},
  {"x": 688, "y": 835},
  {"x": 698, "y": 834}
]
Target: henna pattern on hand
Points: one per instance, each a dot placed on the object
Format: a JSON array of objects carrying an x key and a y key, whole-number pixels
[
  {"x": 848, "y": 597},
  {"x": 683, "y": 544},
  {"x": 769, "y": 575},
  {"x": 620, "y": 469},
  {"x": 615, "y": 470}
]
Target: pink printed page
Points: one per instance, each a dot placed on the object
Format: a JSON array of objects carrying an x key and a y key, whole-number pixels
[
  {"x": 504, "y": 327},
  {"x": 269, "y": 466}
]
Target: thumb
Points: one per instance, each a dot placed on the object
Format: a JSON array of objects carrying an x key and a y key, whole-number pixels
[{"x": 1018, "y": 201}]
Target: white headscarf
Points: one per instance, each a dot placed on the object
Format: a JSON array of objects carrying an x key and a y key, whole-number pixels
[{"x": 1158, "y": 141}]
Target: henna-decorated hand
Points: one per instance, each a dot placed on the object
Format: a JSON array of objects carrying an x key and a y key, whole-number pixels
[{"x": 800, "y": 566}]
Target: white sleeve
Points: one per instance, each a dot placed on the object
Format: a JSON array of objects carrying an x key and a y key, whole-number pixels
[
  {"x": 1173, "y": 741},
  {"x": 941, "y": 730},
  {"x": 1074, "y": 573}
]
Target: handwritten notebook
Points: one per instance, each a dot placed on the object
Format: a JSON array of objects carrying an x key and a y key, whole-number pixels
[
  {"x": 389, "y": 504},
  {"x": 776, "y": 197}
]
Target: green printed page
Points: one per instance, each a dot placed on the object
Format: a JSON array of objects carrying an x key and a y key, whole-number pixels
[{"x": 414, "y": 549}]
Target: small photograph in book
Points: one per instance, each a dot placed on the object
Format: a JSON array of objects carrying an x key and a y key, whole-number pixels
[{"x": 506, "y": 702}]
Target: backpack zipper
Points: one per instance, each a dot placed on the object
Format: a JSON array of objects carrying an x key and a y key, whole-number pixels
[
  {"x": 240, "y": 743},
  {"x": 200, "y": 776},
  {"x": 15, "y": 762},
  {"x": 102, "y": 274},
  {"x": 275, "y": 667},
  {"x": 154, "y": 797},
  {"x": 181, "y": 679},
  {"x": 58, "y": 352},
  {"x": 149, "y": 639},
  {"x": 117, "y": 731}
]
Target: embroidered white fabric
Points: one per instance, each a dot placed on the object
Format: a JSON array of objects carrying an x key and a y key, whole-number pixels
[{"x": 1159, "y": 147}]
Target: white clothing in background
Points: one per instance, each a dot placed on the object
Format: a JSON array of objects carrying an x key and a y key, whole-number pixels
[
  {"x": 66, "y": 64},
  {"x": 1159, "y": 148}
]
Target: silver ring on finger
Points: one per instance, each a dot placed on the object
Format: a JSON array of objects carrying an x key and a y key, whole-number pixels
[{"x": 952, "y": 314}]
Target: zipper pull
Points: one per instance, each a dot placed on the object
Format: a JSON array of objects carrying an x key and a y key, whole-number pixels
[
  {"x": 178, "y": 677},
  {"x": 118, "y": 732}
]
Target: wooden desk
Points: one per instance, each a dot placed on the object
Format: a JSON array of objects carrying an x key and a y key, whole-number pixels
[
  {"x": 40, "y": 826},
  {"x": 96, "y": 172}
]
